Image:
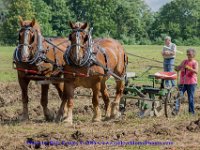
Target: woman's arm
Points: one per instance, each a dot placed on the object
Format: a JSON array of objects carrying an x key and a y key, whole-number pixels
[
  {"x": 195, "y": 69},
  {"x": 178, "y": 68}
]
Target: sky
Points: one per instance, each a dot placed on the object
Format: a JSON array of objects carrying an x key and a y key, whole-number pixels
[{"x": 156, "y": 4}]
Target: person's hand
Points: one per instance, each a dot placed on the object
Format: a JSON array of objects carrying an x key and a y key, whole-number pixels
[
  {"x": 176, "y": 68},
  {"x": 166, "y": 53},
  {"x": 188, "y": 67}
]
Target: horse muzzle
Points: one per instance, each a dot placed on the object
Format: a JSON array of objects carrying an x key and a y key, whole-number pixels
[{"x": 24, "y": 59}]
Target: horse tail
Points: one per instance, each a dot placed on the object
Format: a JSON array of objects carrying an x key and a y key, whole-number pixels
[
  {"x": 125, "y": 67},
  {"x": 125, "y": 61}
]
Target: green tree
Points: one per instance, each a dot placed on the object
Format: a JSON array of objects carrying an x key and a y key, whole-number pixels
[
  {"x": 133, "y": 19},
  {"x": 179, "y": 18},
  {"x": 61, "y": 15},
  {"x": 125, "y": 20},
  {"x": 43, "y": 15},
  {"x": 98, "y": 13},
  {"x": 9, "y": 29}
]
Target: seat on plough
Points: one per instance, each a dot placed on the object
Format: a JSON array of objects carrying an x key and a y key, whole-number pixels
[{"x": 166, "y": 75}]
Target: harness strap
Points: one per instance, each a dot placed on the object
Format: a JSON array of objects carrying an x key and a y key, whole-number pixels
[
  {"x": 104, "y": 54},
  {"x": 27, "y": 70},
  {"x": 75, "y": 74},
  {"x": 107, "y": 70}
]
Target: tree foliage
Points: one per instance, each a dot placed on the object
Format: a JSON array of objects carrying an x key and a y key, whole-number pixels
[
  {"x": 98, "y": 13},
  {"x": 180, "y": 19},
  {"x": 133, "y": 19},
  {"x": 130, "y": 21},
  {"x": 42, "y": 12},
  {"x": 10, "y": 27},
  {"x": 61, "y": 15}
]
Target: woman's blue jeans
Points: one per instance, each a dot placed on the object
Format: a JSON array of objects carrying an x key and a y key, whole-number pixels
[{"x": 190, "y": 88}]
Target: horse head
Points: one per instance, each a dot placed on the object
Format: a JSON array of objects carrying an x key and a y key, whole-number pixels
[
  {"x": 30, "y": 40},
  {"x": 78, "y": 38}
]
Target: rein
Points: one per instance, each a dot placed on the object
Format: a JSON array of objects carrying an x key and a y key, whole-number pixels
[{"x": 131, "y": 54}]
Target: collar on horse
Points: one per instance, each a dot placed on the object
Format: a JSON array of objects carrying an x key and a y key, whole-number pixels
[
  {"x": 40, "y": 52},
  {"x": 88, "y": 56}
]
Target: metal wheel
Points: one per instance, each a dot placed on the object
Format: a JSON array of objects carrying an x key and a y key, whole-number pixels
[
  {"x": 172, "y": 97},
  {"x": 159, "y": 108}
]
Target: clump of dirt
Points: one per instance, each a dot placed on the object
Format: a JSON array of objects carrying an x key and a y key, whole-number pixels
[
  {"x": 197, "y": 108},
  {"x": 2, "y": 101},
  {"x": 194, "y": 126},
  {"x": 119, "y": 135},
  {"x": 36, "y": 111},
  {"x": 158, "y": 129},
  {"x": 77, "y": 135}
]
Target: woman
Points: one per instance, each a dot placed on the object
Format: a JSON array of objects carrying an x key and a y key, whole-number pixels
[{"x": 188, "y": 78}]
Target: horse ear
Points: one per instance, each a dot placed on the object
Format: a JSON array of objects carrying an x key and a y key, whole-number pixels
[
  {"x": 33, "y": 22},
  {"x": 20, "y": 21},
  {"x": 84, "y": 26},
  {"x": 71, "y": 24}
]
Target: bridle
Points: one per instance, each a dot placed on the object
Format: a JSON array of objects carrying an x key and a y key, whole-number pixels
[
  {"x": 39, "y": 51},
  {"x": 85, "y": 61}
]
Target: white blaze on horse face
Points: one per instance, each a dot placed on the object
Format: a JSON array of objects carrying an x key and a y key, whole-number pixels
[
  {"x": 25, "y": 51},
  {"x": 78, "y": 47}
]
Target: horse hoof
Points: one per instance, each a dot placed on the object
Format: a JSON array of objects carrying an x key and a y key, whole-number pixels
[
  {"x": 115, "y": 116},
  {"x": 23, "y": 117},
  {"x": 68, "y": 121},
  {"x": 107, "y": 118},
  {"x": 58, "y": 119},
  {"x": 49, "y": 118},
  {"x": 96, "y": 120}
]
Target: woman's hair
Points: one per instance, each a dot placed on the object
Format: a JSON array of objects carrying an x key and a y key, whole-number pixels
[
  {"x": 191, "y": 50},
  {"x": 168, "y": 38}
]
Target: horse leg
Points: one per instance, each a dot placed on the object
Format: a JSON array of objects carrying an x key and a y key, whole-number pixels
[
  {"x": 95, "y": 101},
  {"x": 115, "y": 105},
  {"x": 59, "y": 87},
  {"x": 24, "y": 88},
  {"x": 105, "y": 96},
  {"x": 67, "y": 97},
  {"x": 70, "y": 106},
  {"x": 49, "y": 116}
]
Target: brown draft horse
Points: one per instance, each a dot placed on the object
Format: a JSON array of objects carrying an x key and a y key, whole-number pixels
[
  {"x": 97, "y": 60},
  {"x": 29, "y": 60}
]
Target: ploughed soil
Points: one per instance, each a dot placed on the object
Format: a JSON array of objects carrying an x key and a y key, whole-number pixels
[{"x": 127, "y": 132}]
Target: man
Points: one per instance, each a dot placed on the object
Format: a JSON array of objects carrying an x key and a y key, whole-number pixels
[
  {"x": 188, "y": 78},
  {"x": 169, "y": 53}
]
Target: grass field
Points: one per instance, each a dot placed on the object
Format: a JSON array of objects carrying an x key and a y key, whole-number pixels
[{"x": 136, "y": 64}]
